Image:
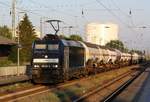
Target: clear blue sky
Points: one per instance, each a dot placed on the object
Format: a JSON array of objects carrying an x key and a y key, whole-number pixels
[{"x": 103, "y": 11}]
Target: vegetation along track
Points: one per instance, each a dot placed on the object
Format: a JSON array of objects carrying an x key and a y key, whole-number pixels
[
  {"x": 112, "y": 88},
  {"x": 36, "y": 89}
]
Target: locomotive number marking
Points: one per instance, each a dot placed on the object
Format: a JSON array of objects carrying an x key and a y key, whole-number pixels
[{"x": 56, "y": 60}]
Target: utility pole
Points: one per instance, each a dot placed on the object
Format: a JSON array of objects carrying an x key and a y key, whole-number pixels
[
  {"x": 69, "y": 29},
  {"x": 41, "y": 27},
  {"x": 13, "y": 18},
  {"x": 18, "y": 42},
  {"x": 76, "y": 24}
]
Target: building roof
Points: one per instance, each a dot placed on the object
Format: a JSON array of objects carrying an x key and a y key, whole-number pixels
[{"x": 6, "y": 41}]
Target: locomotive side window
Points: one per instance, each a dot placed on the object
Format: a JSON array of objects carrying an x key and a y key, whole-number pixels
[
  {"x": 40, "y": 46},
  {"x": 53, "y": 47}
]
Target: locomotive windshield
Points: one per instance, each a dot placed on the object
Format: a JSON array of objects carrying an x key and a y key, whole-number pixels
[
  {"x": 53, "y": 47},
  {"x": 46, "y": 47},
  {"x": 40, "y": 46}
]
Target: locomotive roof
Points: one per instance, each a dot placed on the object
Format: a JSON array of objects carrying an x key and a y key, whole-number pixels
[
  {"x": 91, "y": 45},
  {"x": 95, "y": 45},
  {"x": 71, "y": 43}
]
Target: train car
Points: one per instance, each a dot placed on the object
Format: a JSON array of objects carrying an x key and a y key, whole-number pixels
[
  {"x": 54, "y": 60},
  {"x": 93, "y": 56},
  {"x": 141, "y": 57},
  {"x": 135, "y": 58},
  {"x": 129, "y": 58},
  {"x": 118, "y": 56},
  {"x": 98, "y": 57},
  {"x": 112, "y": 56},
  {"x": 125, "y": 59}
]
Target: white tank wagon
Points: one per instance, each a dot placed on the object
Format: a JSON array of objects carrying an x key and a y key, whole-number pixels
[
  {"x": 125, "y": 58},
  {"x": 141, "y": 58},
  {"x": 105, "y": 56},
  {"x": 93, "y": 54},
  {"x": 12, "y": 71},
  {"x": 128, "y": 57},
  {"x": 99, "y": 56},
  {"x": 135, "y": 58},
  {"x": 112, "y": 56},
  {"x": 118, "y": 55}
]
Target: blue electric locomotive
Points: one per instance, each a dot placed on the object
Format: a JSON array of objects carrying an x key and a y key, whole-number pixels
[{"x": 55, "y": 60}]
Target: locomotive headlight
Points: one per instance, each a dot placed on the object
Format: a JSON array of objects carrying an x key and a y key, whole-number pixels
[
  {"x": 36, "y": 66},
  {"x": 55, "y": 66},
  {"x": 46, "y": 56},
  {"x": 44, "y": 66}
]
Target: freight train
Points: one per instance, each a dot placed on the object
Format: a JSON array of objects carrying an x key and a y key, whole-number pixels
[{"x": 55, "y": 60}]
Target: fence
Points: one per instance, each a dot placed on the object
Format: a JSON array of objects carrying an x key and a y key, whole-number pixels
[{"x": 12, "y": 71}]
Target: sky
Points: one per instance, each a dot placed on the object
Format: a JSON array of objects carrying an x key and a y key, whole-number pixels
[{"x": 132, "y": 16}]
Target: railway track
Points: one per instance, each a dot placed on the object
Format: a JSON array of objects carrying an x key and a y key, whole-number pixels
[
  {"x": 34, "y": 90},
  {"x": 110, "y": 89},
  {"x": 123, "y": 86},
  {"x": 38, "y": 89}
]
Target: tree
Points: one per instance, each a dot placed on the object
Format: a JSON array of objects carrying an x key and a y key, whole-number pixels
[
  {"x": 13, "y": 54},
  {"x": 117, "y": 45},
  {"x": 136, "y": 51},
  {"x": 63, "y": 37},
  {"x": 5, "y": 32},
  {"x": 27, "y": 36},
  {"x": 76, "y": 37},
  {"x": 71, "y": 37}
]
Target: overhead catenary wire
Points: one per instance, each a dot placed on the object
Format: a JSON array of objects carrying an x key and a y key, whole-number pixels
[
  {"x": 113, "y": 14},
  {"x": 54, "y": 10},
  {"x": 19, "y": 9},
  {"x": 57, "y": 11},
  {"x": 68, "y": 14},
  {"x": 129, "y": 15},
  {"x": 118, "y": 18}
]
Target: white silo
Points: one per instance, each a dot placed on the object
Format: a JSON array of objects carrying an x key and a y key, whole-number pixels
[{"x": 101, "y": 33}]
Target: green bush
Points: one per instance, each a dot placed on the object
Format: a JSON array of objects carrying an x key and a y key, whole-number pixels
[
  {"x": 5, "y": 62},
  {"x": 13, "y": 54}
]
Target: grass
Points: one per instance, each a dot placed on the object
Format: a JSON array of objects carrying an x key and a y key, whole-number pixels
[{"x": 12, "y": 88}]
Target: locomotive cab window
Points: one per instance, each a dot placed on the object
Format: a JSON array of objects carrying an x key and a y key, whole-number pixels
[
  {"x": 40, "y": 46},
  {"x": 53, "y": 46}
]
